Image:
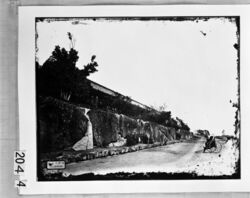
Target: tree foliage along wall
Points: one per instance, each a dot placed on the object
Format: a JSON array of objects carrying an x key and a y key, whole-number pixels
[
  {"x": 204, "y": 133},
  {"x": 182, "y": 124}
]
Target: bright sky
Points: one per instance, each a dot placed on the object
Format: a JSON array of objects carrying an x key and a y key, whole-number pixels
[{"x": 157, "y": 62}]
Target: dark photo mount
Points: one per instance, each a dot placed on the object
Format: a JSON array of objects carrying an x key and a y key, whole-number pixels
[{"x": 72, "y": 109}]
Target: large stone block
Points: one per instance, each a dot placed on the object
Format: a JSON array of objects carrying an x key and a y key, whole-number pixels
[{"x": 105, "y": 127}]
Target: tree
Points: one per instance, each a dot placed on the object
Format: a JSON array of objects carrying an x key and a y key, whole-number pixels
[
  {"x": 59, "y": 76},
  {"x": 203, "y": 132},
  {"x": 90, "y": 67},
  {"x": 181, "y": 124},
  {"x": 58, "y": 73},
  {"x": 164, "y": 117},
  {"x": 172, "y": 123}
]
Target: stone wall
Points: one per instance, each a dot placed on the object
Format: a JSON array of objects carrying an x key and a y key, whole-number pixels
[{"x": 61, "y": 125}]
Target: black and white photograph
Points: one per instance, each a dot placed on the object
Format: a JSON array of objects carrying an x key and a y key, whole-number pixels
[
  {"x": 133, "y": 99},
  {"x": 137, "y": 98}
]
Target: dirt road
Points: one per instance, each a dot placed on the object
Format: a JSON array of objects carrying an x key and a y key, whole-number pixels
[{"x": 180, "y": 157}]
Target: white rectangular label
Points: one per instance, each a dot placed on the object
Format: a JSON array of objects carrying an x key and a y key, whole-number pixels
[{"x": 52, "y": 165}]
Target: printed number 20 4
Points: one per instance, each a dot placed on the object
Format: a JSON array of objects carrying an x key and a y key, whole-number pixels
[{"x": 19, "y": 162}]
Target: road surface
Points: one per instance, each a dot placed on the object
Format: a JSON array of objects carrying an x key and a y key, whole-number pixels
[{"x": 185, "y": 156}]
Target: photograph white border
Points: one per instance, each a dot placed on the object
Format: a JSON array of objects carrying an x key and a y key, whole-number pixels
[{"x": 27, "y": 102}]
